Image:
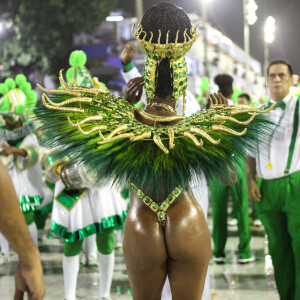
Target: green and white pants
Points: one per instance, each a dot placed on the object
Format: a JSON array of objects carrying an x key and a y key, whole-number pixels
[{"x": 279, "y": 211}]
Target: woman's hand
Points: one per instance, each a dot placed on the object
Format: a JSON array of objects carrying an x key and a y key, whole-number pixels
[
  {"x": 134, "y": 90},
  {"x": 216, "y": 98}
]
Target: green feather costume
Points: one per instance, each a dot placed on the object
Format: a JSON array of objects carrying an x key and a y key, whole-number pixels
[{"x": 100, "y": 131}]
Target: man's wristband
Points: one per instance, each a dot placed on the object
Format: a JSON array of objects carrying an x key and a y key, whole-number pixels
[{"x": 128, "y": 67}]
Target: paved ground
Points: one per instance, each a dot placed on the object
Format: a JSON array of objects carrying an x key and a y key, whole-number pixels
[{"x": 230, "y": 281}]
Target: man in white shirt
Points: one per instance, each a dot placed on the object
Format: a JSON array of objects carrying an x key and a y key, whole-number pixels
[{"x": 277, "y": 162}]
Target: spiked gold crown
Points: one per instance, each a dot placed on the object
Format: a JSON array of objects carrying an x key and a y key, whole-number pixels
[{"x": 168, "y": 50}]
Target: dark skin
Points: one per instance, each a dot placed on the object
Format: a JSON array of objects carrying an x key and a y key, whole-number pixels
[
  {"x": 7, "y": 150},
  {"x": 181, "y": 250}
]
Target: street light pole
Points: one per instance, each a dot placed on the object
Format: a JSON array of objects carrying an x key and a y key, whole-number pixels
[
  {"x": 249, "y": 9},
  {"x": 204, "y": 20},
  {"x": 205, "y": 33},
  {"x": 139, "y": 9},
  {"x": 266, "y": 58},
  {"x": 246, "y": 45},
  {"x": 269, "y": 31}
]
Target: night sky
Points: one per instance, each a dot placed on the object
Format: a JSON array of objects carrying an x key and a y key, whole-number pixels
[{"x": 227, "y": 16}]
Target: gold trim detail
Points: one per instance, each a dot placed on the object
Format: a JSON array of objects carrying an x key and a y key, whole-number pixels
[
  {"x": 158, "y": 118},
  {"x": 194, "y": 139},
  {"x": 163, "y": 106},
  {"x": 223, "y": 128},
  {"x": 30, "y": 162},
  {"x": 159, "y": 210},
  {"x": 167, "y": 50},
  {"x": 158, "y": 142},
  {"x": 116, "y": 120},
  {"x": 55, "y": 168},
  {"x": 69, "y": 209}
]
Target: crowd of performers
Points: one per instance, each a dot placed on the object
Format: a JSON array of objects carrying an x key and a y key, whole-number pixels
[
  {"x": 84, "y": 218},
  {"x": 55, "y": 168}
]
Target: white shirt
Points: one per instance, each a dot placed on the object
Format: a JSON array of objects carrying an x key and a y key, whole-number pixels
[
  {"x": 191, "y": 105},
  {"x": 279, "y": 145}
]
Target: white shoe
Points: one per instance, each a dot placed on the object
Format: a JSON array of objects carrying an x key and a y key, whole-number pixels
[
  {"x": 219, "y": 260},
  {"x": 118, "y": 246},
  {"x": 92, "y": 262},
  {"x": 3, "y": 259},
  {"x": 232, "y": 222},
  {"x": 246, "y": 260},
  {"x": 83, "y": 259},
  {"x": 257, "y": 223},
  {"x": 40, "y": 235}
]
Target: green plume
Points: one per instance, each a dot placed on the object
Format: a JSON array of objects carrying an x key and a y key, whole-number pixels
[
  {"x": 3, "y": 89},
  {"x": 10, "y": 83},
  {"x": 19, "y": 109},
  {"x": 5, "y": 105},
  {"x": 26, "y": 87},
  {"x": 77, "y": 58},
  {"x": 69, "y": 74},
  {"x": 31, "y": 98},
  {"x": 20, "y": 79}
]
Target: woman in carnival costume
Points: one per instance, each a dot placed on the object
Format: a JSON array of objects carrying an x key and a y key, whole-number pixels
[
  {"x": 80, "y": 213},
  {"x": 198, "y": 184},
  {"x": 19, "y": 142},
  {"x": 157, "y": 150}
]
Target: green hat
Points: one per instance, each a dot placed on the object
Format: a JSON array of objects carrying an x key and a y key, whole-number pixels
[
  {"x": 80, "y": 73},
  {"x": 78, "y": 70},
  {"x": 16, "y": 96}
]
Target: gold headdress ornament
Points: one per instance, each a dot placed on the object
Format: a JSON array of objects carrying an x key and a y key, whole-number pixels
[
  {"x": 173, "y": 51},
  {"x": 169, "y": 50}
]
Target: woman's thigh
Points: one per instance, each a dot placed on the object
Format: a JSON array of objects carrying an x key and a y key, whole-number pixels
[
  {"x": 145, "y": 253},
  {"x": 189, "y": 248}
]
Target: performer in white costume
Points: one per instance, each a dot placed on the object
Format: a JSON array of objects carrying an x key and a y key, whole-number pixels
[
  {"x": 18, "y": 139},
  {"x": 80, "y": 212}
]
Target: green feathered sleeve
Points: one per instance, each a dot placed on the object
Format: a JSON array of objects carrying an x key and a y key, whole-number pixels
[{"x": 99, "y": 130}]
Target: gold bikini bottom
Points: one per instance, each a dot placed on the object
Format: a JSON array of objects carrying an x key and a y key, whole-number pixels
[{"x": 160, "y": 210}]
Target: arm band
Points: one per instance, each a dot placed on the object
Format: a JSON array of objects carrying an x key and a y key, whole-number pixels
[
  {"x": 30, "y": 160},
  {"x": 128, "y": 67}
]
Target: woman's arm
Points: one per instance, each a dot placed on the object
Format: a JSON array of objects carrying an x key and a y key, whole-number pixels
[{"x": 29, "y": 274}]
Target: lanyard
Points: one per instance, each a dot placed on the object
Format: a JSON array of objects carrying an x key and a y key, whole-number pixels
[
  {"x": 293, "y": 138},
  {"x": 269, "y": 166}
]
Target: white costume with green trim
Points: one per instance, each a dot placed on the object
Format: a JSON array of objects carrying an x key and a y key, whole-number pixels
[
  {"x": 26, "y": 174},
  {"x": 86, "y": 212}
]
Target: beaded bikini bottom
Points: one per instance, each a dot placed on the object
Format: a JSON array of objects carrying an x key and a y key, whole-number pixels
[{"x": 160, "y": 210}]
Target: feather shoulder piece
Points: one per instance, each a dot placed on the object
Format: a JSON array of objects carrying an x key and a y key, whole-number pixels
[{"x": 100, "y": 130}]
